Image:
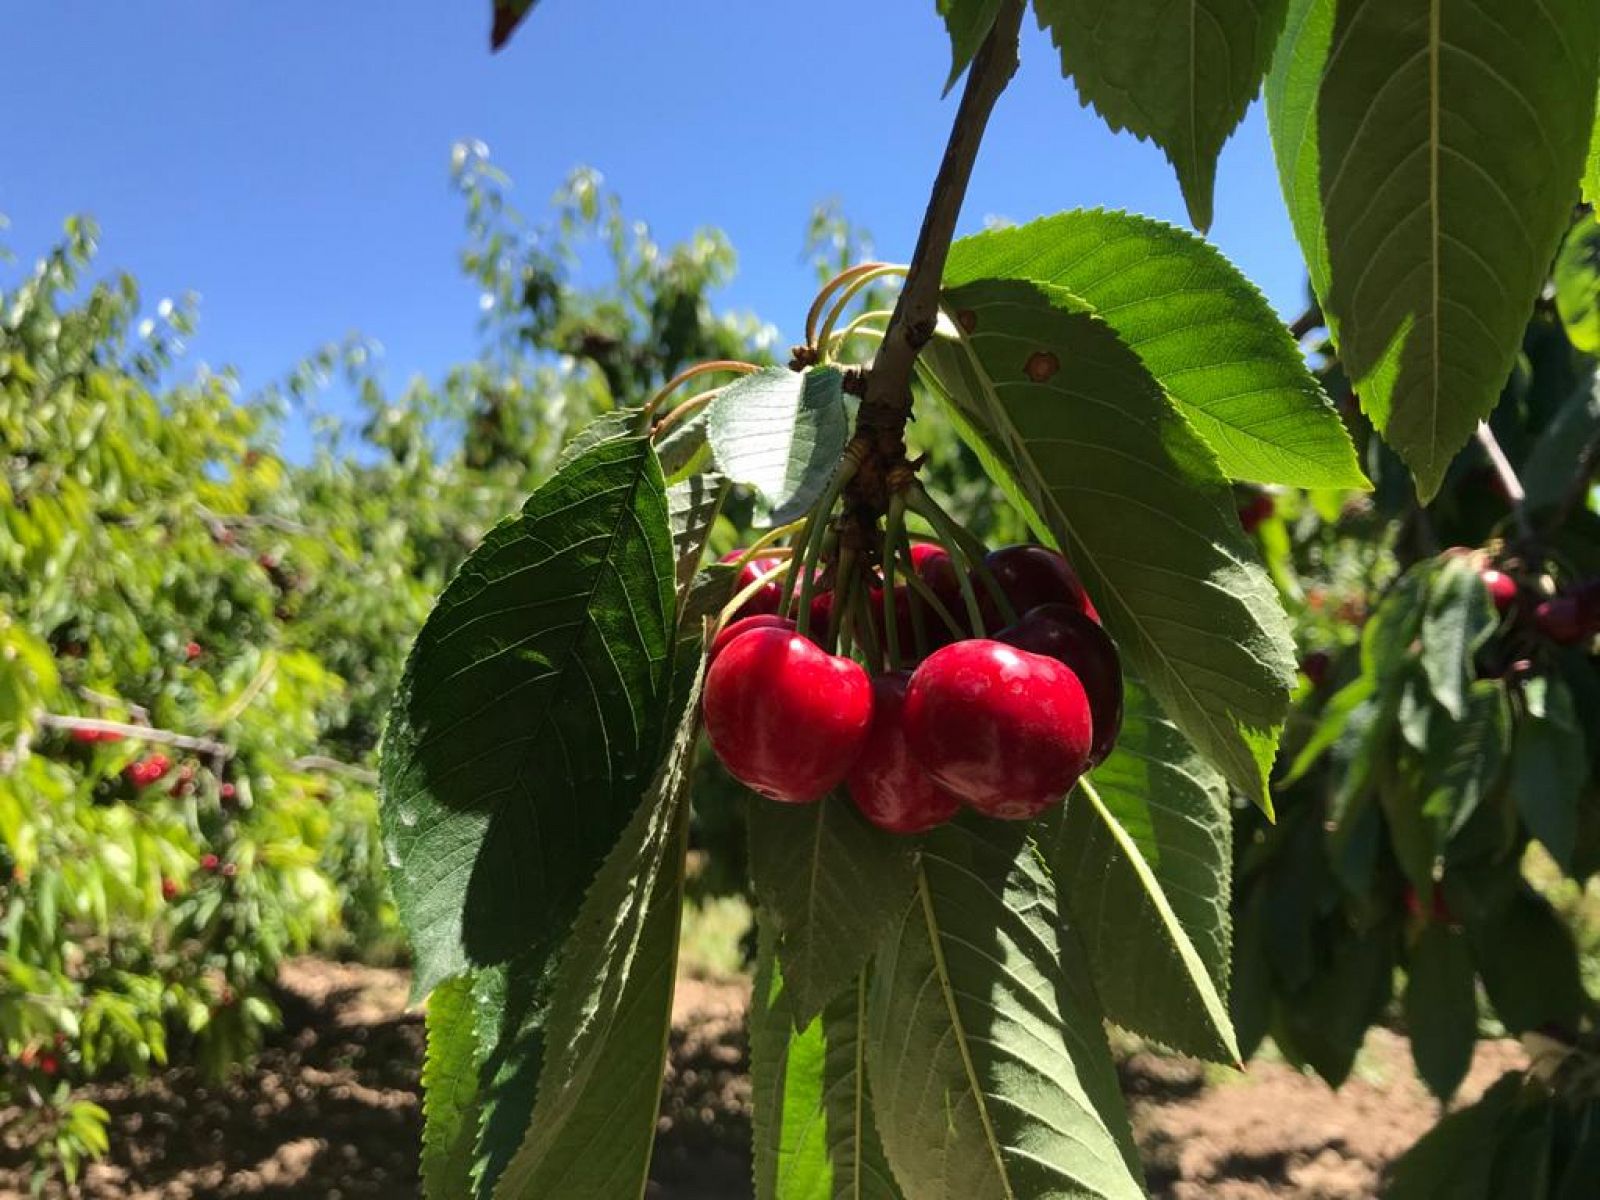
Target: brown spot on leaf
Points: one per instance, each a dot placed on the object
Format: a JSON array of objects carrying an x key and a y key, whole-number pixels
[{"x": 1041, "y": 365}]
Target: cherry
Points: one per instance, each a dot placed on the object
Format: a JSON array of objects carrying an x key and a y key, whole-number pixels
[
  {"x": 1440, "y": 911},
  {"x": 1315, "y": 667},
  {"x": 1561, "y": 619},
  {"x": 887, "y": 782},
  {"x": 192, "y": 651},
  {"x": 1061, "y": 632},
  {"x": 733, "y": 629},
  {"x": 1006, "y": 730},
  {"x": 1502, "y": 588},
  {"x": 169, "y": 889},
  {"x": 84, "y": 735},
  {"x": 786, "y": 717},
  {"x": 1256, "y": 510},
  {"x": 1030, "y": 576},
  {"x": 769, "y": 596},
  {"x": 226, "y": 791},
  {"x": 209, "y": 862},
  {"x": 48, "y": 1063}
]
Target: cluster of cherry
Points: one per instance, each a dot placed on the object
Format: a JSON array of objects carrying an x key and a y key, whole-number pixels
[{"x": 1004, "y": 725}]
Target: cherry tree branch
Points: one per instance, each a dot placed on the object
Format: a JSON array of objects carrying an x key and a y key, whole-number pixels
[
  {"x": 143, "y": 733},
  {"x": 887, "y": 402},
  {"x": 1516, "y": 494}
]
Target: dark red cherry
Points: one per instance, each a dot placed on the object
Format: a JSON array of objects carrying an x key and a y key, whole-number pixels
[
  {"x": 888, "y": 783},
  {"x": 1030, "y": 576},
  {"x": 1061, "y": 632},
  {"x": 744, "y": 625}
]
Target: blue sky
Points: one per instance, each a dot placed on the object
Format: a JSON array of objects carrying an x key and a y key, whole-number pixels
[{"x": 289, "y": 161}]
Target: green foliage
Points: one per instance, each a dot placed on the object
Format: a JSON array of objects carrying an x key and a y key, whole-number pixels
[
  {"x": 1141, "y": 858},
  {"x": 1181, "y": 75},
  {"x": 450, "y": 1090},
  {"x": 1084, "y": 440},
  {"x": 1577, "y": 281},
  {"x": 1201, "y": 328},
  {"x": 1430, "y": 167},
  {"x": 1001, "y": 1090},
  {"x": 968, "y": 22},
  {"x": 781, "y": 432},
  {"x": 830, "y": 884}
]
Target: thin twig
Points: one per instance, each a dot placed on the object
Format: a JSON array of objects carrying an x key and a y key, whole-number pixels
[
  {"x": 332, "y": 766},
  {"x": 143, "y": 733},
  {"x": 264, "y": 672},
  {"x": 1515, "y": 492},
  {"x": 887, "y": 402}
]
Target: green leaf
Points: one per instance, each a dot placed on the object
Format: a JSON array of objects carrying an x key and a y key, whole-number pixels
[
  {"x": 1441, "y": 1006},
  {"x": 1070, "y": 424},
  {"x": 1452, "y": 1161},
  {"x": 619, "y": 422},
  {"x": 782, "y": 432},
  {"x": 833, "y": 883},
  {"x": 1203, "y": 330},
  {"x": 1551, "y": 467},
  {"x": 1591, "y": 174},
  {"x": 1343, "y": 707},
  {"x": 1430, "y": 151},
  {"x": 1528, "y": 963},
  {"x": 450, "y": 1106},
  {"x": 692, "y": 508},
  {"x": 530, "y": 717},
  {"x": 1549, "y": 767},
  {"x": 1179, "y": 74},
  {"x": 611, "y": 1006},
  {"x": 813, "y": 1129},
  {"x": 1324, "y": 1023},
  {"x": 508, "y": 14},
  {"x": 1459, "y": 618},
  {"x": 510, "y": 1004},
  {"x": 1577, "y": 280},
  {"x": 1466, "y": 760},
  {"x": 988, "y": 1061},
  {"x": 968, "y": 22},
  {"x": 1142, "y": 859}
]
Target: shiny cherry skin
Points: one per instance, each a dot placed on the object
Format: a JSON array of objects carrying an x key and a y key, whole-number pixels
[
  {"x": 786, "y": 717},
  {"x": 1006, "y": 730},
  {"x": 888, "y": 784},
  {"x": 769, "y": 596},
  {"x": 1502, "y": 588},
  {"x": 744, "y": 625},
  {"x": 1061, "y": 632},
  {"x": 1030, "y": 576}
]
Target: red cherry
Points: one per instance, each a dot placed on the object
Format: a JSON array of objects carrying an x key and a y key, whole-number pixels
[
  {"x": 1440, "y": 911},
  {"x": 1030, "y": 576},
  {"x": 1256, "y": 510},
  {"x": 170, "y": 889},
  {"x": 726, "y": 634},
  {"x": 84, "y": 735},
  {"x": 48, "y": 1063},
  {"x": 1006, "y": 730},
  {"x": 786, "y": 717},
  {"x": 887, "y": 783},
  {"x": 1061, "y": 632},
  {"x": 935, "y": 568},
  {"x": 209, "y": 862},
  {"x": 1315, "y": 667},
  {"x": 1561, "y": 620},
  {"x": 192, "y": 651},
  {"x": 765, "y": 599},
  {"x": 158, "y": 764},
  {"x": 226, "y": 791},
  {"x": 1502, "y": 588}
]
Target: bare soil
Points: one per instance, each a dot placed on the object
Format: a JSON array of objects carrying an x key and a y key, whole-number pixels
[{"x": 331, "y": 1110}]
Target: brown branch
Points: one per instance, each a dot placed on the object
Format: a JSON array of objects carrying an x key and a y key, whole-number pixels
[{"x": 887, "y": 403}]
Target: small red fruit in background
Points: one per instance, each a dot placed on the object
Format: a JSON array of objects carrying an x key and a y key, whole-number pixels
[
  {"x": 1439, "y": 912},
  {"x": 786, "y": 717},
  {"x": 1315, "y": 667},
  {"x": 766, "y": 598},
  {"x": 48, "y": 1063},
  {"x": 1561, "y": 620},
  {"x": 85, "y": 736},
  {"x": 1006, "y": 730},
  {"x": 170, "y": 889},
  {"x": 1031, "y": 576},
  {"x": 733, "y": 629},
  {"x": 1061, "y": 632},
  {"x": 192, "y": 651},
  {"x": 209, "y": 862},
  {"x": 1256, "y": 510},
  {"x": 227, "y": 791},
  {"x": 887, "y": 784},
  {"x": 1502, "y": 588}
]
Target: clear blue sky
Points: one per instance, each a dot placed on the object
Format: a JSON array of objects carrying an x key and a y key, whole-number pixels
[{"x": 289, "y": 160}]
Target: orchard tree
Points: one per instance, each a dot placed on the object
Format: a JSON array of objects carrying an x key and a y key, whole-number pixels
[{"x": 990, "y": 788}]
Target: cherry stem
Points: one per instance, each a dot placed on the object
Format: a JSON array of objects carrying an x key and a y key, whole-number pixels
[
  {"x": 828, "y": 289},
  {"x": 750, "y": 589},
  {"x": 1515, "y": 492},
  {"x": 812, "y": 536},
  {"x": 865, "y": 279},
  {"x": 685, "y": 411},
  {"x": 843, "y": 592},
  {"x": 893, "y": 529},
  {"x": 684, "y": 376},
  {"x": 866, "y": 635},
  {"x": 859, "y": 326},
  {"x": 929, "y": 597},
  {"x": 808, "y": 580},
  {"x": 971, "y": 548}
]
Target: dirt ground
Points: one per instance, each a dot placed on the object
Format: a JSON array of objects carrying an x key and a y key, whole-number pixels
[{"x": 331, "y": 1111}]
